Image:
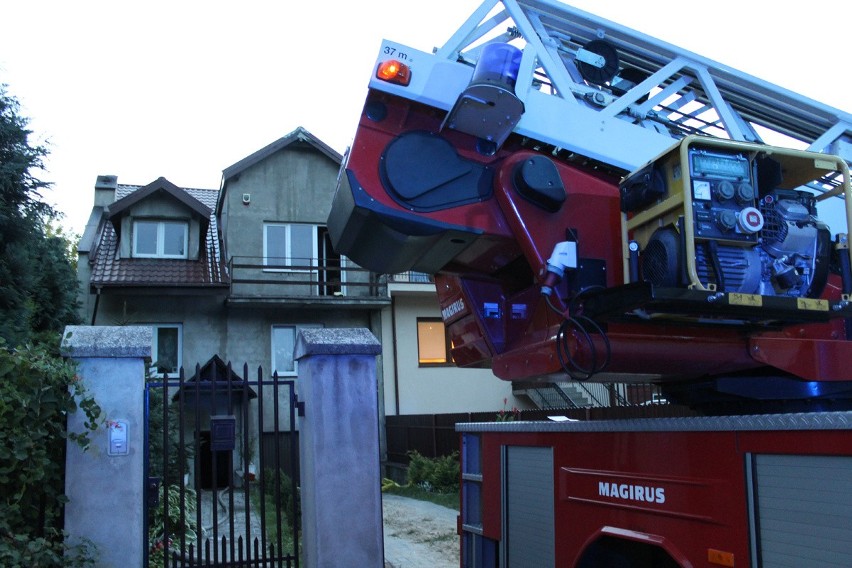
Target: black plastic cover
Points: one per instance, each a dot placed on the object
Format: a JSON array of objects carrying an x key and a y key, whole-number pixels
[
  {"x": 387, "y": 241},
  {"x": 538, "y": 181},
  {"x": 642, "y": 189},
  {"x": 423, "y": 172}
]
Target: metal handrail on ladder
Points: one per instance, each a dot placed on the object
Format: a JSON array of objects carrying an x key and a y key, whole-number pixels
[{"x": 644, "y": 94}]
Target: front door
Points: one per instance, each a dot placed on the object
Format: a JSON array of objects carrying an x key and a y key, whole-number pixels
[
  {"x": 330, "y": 266},
  {"x": 216, "y": 467}
]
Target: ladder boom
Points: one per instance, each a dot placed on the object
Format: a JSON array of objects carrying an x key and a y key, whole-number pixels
[{"x": 641, "y": 91}]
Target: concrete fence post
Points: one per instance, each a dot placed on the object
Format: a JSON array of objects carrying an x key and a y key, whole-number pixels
[
  {"x": 105, "y": 484},
  {"x": 339, "y": 448}
]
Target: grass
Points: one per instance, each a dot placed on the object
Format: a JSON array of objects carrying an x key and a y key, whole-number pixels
[{"x": 450, "y": 500}]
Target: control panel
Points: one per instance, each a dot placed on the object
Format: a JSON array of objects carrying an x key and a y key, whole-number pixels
[{"x": 724, "y": 197}]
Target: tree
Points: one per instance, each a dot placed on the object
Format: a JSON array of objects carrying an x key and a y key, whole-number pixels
[
  {"x": 38, "y": 286},
  {"x": 38, "y": 294}
]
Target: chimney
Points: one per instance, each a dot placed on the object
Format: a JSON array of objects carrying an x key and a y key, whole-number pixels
[{"x": 105, "y": 187}]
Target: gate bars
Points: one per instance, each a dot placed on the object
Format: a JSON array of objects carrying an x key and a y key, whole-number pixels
[{"x": 183, "y": 524}]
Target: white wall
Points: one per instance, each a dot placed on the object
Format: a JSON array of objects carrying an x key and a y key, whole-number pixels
[{"x": 432, "y": 390}]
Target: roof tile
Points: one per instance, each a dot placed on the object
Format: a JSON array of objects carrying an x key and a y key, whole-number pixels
[{"x": 108, "y": 269}]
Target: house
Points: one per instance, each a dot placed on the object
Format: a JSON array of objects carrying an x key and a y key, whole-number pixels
[
  {"x": 235, "y": 273},
  {"x": 145, "y": 252}
]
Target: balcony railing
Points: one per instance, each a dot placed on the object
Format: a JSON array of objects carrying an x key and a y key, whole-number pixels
[
  {"x": 411, "y": 277},
  {"x": 260, "y": 278}
]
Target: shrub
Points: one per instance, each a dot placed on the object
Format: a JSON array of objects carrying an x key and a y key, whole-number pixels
[
  {"x": 38, "y": 390},
  {"x": 434, "y": 474},
  {"x": 178, "y": 458},
  {"x": 20, "y": 551},
  {"x": 288, "y": 501},
  {"x": 171, "y": 506}
]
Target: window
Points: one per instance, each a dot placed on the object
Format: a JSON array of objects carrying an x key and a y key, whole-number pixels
[
  {"x": 433, "y": 343},
  {"x": 283, "y": 344},
  {"x": 160, "y": 239},
  {"x": 166, "y": 348},
  {"x": 289, "y": 246}
]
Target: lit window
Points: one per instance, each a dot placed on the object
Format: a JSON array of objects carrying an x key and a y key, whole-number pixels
[
  {"x": 433, "y": 343},
  {"x": 283, "y": 344},
  {"x": 289, "y": 246},
  {"x": 160, "y": 239},
  {"x": 166, "y": 348}
]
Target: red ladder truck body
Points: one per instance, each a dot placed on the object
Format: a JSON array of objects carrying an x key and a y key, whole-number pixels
[
  {"x": 598, "y": 205},
  {"x": 768, "y": 490}
]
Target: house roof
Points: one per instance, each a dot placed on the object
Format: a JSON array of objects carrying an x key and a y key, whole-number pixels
[
  {"x": 108, "y": 269},
  {"x": 160, "y": 185},
  {"x": 298, "y": 136}
]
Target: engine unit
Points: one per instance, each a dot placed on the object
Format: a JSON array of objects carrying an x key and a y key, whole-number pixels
[{"x": 728, "y": 216}]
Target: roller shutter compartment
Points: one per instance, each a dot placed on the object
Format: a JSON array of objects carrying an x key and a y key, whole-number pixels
[
  {"x": 802, "y": 511},
  {"x": 529, "y": 507}
]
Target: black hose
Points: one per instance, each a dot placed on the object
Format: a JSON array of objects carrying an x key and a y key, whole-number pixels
[
  {"x": 582, "y": 324},
  {"x": 569, "y": 365}
]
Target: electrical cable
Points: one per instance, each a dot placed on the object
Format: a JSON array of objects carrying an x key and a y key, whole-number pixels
[
  {"x": 581, "y": 325},
  {"x": 607, "y": 344},
  {"x": 563, "y": 350}
]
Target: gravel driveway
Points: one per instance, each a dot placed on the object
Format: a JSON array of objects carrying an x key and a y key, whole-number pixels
[{"x": 419, "y": 534}]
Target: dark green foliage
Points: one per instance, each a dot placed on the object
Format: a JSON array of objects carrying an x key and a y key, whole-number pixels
[
  {"x": 38, "y": 285},
  {"x": 37, "y": 391},
  {"x": 288, "y": 501},
  {"x": 38, "y": 295},
  {"x": 22, "y": 551},
  {"x": 54, "y": 294},
  {"x": 434, "y": 474},
  {"x": 186, "y": 530},
  {"x": 177, "y": 467},
  {"x": 19, "y": 188}
]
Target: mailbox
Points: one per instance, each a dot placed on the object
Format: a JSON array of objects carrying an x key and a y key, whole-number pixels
[{"x": 223, "y": 433}]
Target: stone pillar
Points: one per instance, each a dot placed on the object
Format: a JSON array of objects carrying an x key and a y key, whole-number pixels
[
  {"x": 106, "y": 488},
  {"x": 339, "y": 448}
]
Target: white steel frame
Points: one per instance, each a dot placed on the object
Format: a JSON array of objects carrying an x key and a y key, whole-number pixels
[{"x": 684, "y": 93}]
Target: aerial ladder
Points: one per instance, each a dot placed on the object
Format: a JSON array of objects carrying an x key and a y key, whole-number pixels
[
  {"x": 607, "y": 92},
  {"x": 599, "y": 205},
  {"x": 544, "y": 163}
]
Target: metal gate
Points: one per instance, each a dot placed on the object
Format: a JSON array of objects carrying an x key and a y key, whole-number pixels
[{"x": 216, "y": 495}]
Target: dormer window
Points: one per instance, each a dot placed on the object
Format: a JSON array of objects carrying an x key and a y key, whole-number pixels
[{"x": 160, "y": 239}]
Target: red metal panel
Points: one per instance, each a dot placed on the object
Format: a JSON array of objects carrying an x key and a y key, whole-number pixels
[
  {"x": 590, "y": 213},
  {"x": 697, "y": 481},
  {"x": 373, "y": 137},
  {"x": 693, "y": 497},
  {"x": 657, "y": 350},
  {"x": 820, "y": 443},
  {"x": 695, "y": 478},
  {"x": 811, "y": 359}
]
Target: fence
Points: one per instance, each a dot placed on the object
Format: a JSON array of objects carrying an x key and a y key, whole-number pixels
[
  {"x": 302, "y": 277},
  {"x": 219, "y": 495},
  {"x": 434, "y": 435}
]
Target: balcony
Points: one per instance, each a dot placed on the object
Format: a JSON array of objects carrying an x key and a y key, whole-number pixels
[
  {"x": 411, "y": 283},
  {"x": 412, "y": 277},
  {"x": 315, "y": 283}
]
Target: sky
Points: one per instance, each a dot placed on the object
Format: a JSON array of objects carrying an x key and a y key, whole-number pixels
[{"x": 185, "y": 88}]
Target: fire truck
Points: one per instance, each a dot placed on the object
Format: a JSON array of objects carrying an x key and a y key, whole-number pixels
[{"x": 600, "y": 206}]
